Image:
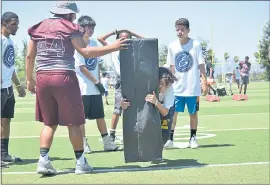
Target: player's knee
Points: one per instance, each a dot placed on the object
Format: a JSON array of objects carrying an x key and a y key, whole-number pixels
[
  {"x": 193, "y": 115},
  {"x": 5, "y": 121},
  {"x": 101, "y": 121},
  {"x": 73, "y": 127},
  {"x": 52, "y": 127},
  {"x": 175, "y": 114}
]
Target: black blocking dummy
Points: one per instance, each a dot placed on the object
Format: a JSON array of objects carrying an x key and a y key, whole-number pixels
[{"x": 139, "y": 67}]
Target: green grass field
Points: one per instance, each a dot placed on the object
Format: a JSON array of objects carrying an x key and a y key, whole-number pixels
[{"x": 233, "y": 138}]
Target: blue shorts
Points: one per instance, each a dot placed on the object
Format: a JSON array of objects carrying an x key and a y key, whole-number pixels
[{"x": 191, "y": 101}]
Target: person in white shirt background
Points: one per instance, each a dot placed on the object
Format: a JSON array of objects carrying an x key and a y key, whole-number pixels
[
  {"x": 236, "y": 74},
  {"x": 105, "y": 82},
  {"x": 228, "y": 71},
  {"x": 116, "y": 68},
  {"x": 9, "y": 23},
  {"x": 88, "y": 74},
  {"x": 237, "y": 77},
  {"x": 186, "y": 60}
]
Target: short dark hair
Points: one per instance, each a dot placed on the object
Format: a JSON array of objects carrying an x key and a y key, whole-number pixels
[
  {"x": 167, "y": 75},
  {"x": 123, "y": 31},
  {"x": 85, "y": 20},
  {"x": 183, "y": 22},
  {"x": 246, "y": 57},
  {"x": 8, "y": 16}
]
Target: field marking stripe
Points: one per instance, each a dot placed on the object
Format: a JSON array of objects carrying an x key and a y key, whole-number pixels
[
  {"x": 149, "y": 168},
  {"x": 236, "y": 129},
  {"x": 210, "y": 115},
  {"x": 222, "y": 130}
]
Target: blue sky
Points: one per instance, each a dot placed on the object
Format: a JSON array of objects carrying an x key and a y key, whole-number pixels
[{"x": 236, "y": 25}]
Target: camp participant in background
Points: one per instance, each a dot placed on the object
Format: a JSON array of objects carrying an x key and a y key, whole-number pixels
[
  {"x": 105, "y": 82},
  {"x": 9, "y": 23},
  {"x": 237, "y": 77},
  {"x": 116, "y": 68},
  {"x": 244, "y": 67},
  {"x": 186, "y": 60},
  {"x": 210, "y": 70},
  {"x": 87, "y": 71}
]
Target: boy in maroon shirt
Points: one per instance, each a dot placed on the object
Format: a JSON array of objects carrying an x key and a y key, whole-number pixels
[{"x": 58, "y": 97}]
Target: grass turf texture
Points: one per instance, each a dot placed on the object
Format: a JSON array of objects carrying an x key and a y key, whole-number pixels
[{"x": 241, "y": 140}]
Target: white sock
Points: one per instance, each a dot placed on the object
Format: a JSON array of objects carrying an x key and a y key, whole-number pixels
[
  {"x": 44, "y": 159},
  {"x": 81, "y": 160}
]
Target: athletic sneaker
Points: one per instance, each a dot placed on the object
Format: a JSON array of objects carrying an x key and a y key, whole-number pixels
[
  {"x": 4, "y": 165},
  {"x": 117, "y": 139},
  {"x": 112, "y": 138},
  {"x": 45, "y": 168},
  {"x": 10, "y": 158},
  {"x": 193, "y": 143},
  {"x": 83, "y": 168},
  {"x": 169, "y": 144},
  {"x": 86, "y": 146},
  {"x": 108, "y": 144}
]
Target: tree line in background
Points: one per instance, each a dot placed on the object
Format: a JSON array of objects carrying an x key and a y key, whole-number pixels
[
  {"x": 262, "y": 57},
  {"x": 263, "y": 54}
]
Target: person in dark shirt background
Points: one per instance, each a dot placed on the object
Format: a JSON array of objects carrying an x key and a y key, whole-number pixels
[
  {"x": 244, "y": 68},
  {"x": 210, "y": 76}
]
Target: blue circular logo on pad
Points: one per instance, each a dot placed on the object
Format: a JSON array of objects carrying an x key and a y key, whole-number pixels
[
  {"x": 183, "y": 61},
  {"x": 91, "y": 63},
  {"x": 9, "y": 56}
]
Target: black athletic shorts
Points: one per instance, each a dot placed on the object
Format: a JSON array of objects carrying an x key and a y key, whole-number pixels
[
  {"x": 7, "y": 103},
  {"x": 93, "y": 106}
]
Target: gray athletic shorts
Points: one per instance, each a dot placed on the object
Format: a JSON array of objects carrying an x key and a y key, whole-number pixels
[{"x": 245, "y": 79}]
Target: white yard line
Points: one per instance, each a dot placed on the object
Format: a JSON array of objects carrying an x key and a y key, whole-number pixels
[
  {"x": 209, "y": 115},
  {"x": 148, "y": 168},
  {"x": 237, "y": 129},
  {"x": 96, "y": 135}
]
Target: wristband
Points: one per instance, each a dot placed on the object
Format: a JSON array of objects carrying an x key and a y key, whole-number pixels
[{"x": 156, "y": 102}]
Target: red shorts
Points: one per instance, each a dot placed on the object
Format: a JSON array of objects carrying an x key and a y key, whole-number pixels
[{"x": 58, "y": 98}]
